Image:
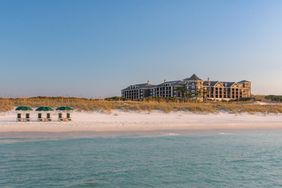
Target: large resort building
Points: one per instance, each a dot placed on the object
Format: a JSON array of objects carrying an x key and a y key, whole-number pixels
[{"x": 190, "y": 88}]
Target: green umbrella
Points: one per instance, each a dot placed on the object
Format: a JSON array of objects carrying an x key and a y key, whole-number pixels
[
  {"x": 64, "y": 108},
  {"x": 44, "y": 108},
  {"x": 23, "y": 108}
]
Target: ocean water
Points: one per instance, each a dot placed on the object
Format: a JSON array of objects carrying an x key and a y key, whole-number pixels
[{"x": 200, "y": 159}]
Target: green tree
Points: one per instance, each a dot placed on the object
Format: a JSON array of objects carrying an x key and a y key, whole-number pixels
[{"x": 185, "y": 93}]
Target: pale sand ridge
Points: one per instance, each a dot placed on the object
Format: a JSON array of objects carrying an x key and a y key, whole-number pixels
[{"x": 120, "y": 121}]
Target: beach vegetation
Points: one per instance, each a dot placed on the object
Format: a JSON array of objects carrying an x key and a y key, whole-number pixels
[{"x": 160, "y": 104}]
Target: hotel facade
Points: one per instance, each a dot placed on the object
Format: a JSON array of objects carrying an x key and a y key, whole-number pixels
[{"x": 191, "y": 88}]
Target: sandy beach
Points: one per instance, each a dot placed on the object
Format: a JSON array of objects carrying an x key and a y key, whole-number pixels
[{"x": 120, "y": 121}]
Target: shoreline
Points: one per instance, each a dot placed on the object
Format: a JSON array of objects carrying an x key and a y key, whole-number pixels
[{"x": 155, "y": 121}]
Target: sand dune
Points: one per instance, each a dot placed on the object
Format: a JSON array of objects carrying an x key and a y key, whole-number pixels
[{"x": 119, "y": 121}]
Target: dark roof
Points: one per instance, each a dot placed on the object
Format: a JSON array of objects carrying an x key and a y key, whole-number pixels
[
  {"x": 210, "y": 83},
  {"x": 213, "y": 83},
  {"x": 228, "y": 84},
  {"x": 139, "y": 86},
  {"x": 193, "y": 77},
  {"x": 176, "y": 82},
  {"x": 242, "y": 81}
]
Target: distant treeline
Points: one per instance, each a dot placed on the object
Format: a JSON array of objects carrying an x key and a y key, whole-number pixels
[{"x": 274, "y": 98}]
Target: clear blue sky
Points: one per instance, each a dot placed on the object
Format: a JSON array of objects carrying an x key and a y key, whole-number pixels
[{"x": 95, "y": 48}]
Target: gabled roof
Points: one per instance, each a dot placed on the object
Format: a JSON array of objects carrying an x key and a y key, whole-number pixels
[
  {"x": 228, "y": 84},
  {"x": 193, "y": 77},
  {"x": 210, "y": 83}
]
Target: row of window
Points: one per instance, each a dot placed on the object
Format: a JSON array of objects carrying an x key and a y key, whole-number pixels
[
  {"x": 170, "y": 92},
  {"x": 220, "y": 97}
]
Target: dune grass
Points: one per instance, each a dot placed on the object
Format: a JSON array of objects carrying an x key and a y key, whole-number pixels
[{"x": 83, "y": 104}]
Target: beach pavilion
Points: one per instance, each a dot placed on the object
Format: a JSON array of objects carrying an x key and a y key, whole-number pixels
[
  {"x": 64, "y": 113},
  {"x": 23, "y": 113},
  {"x": 44, "y": 113}
]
